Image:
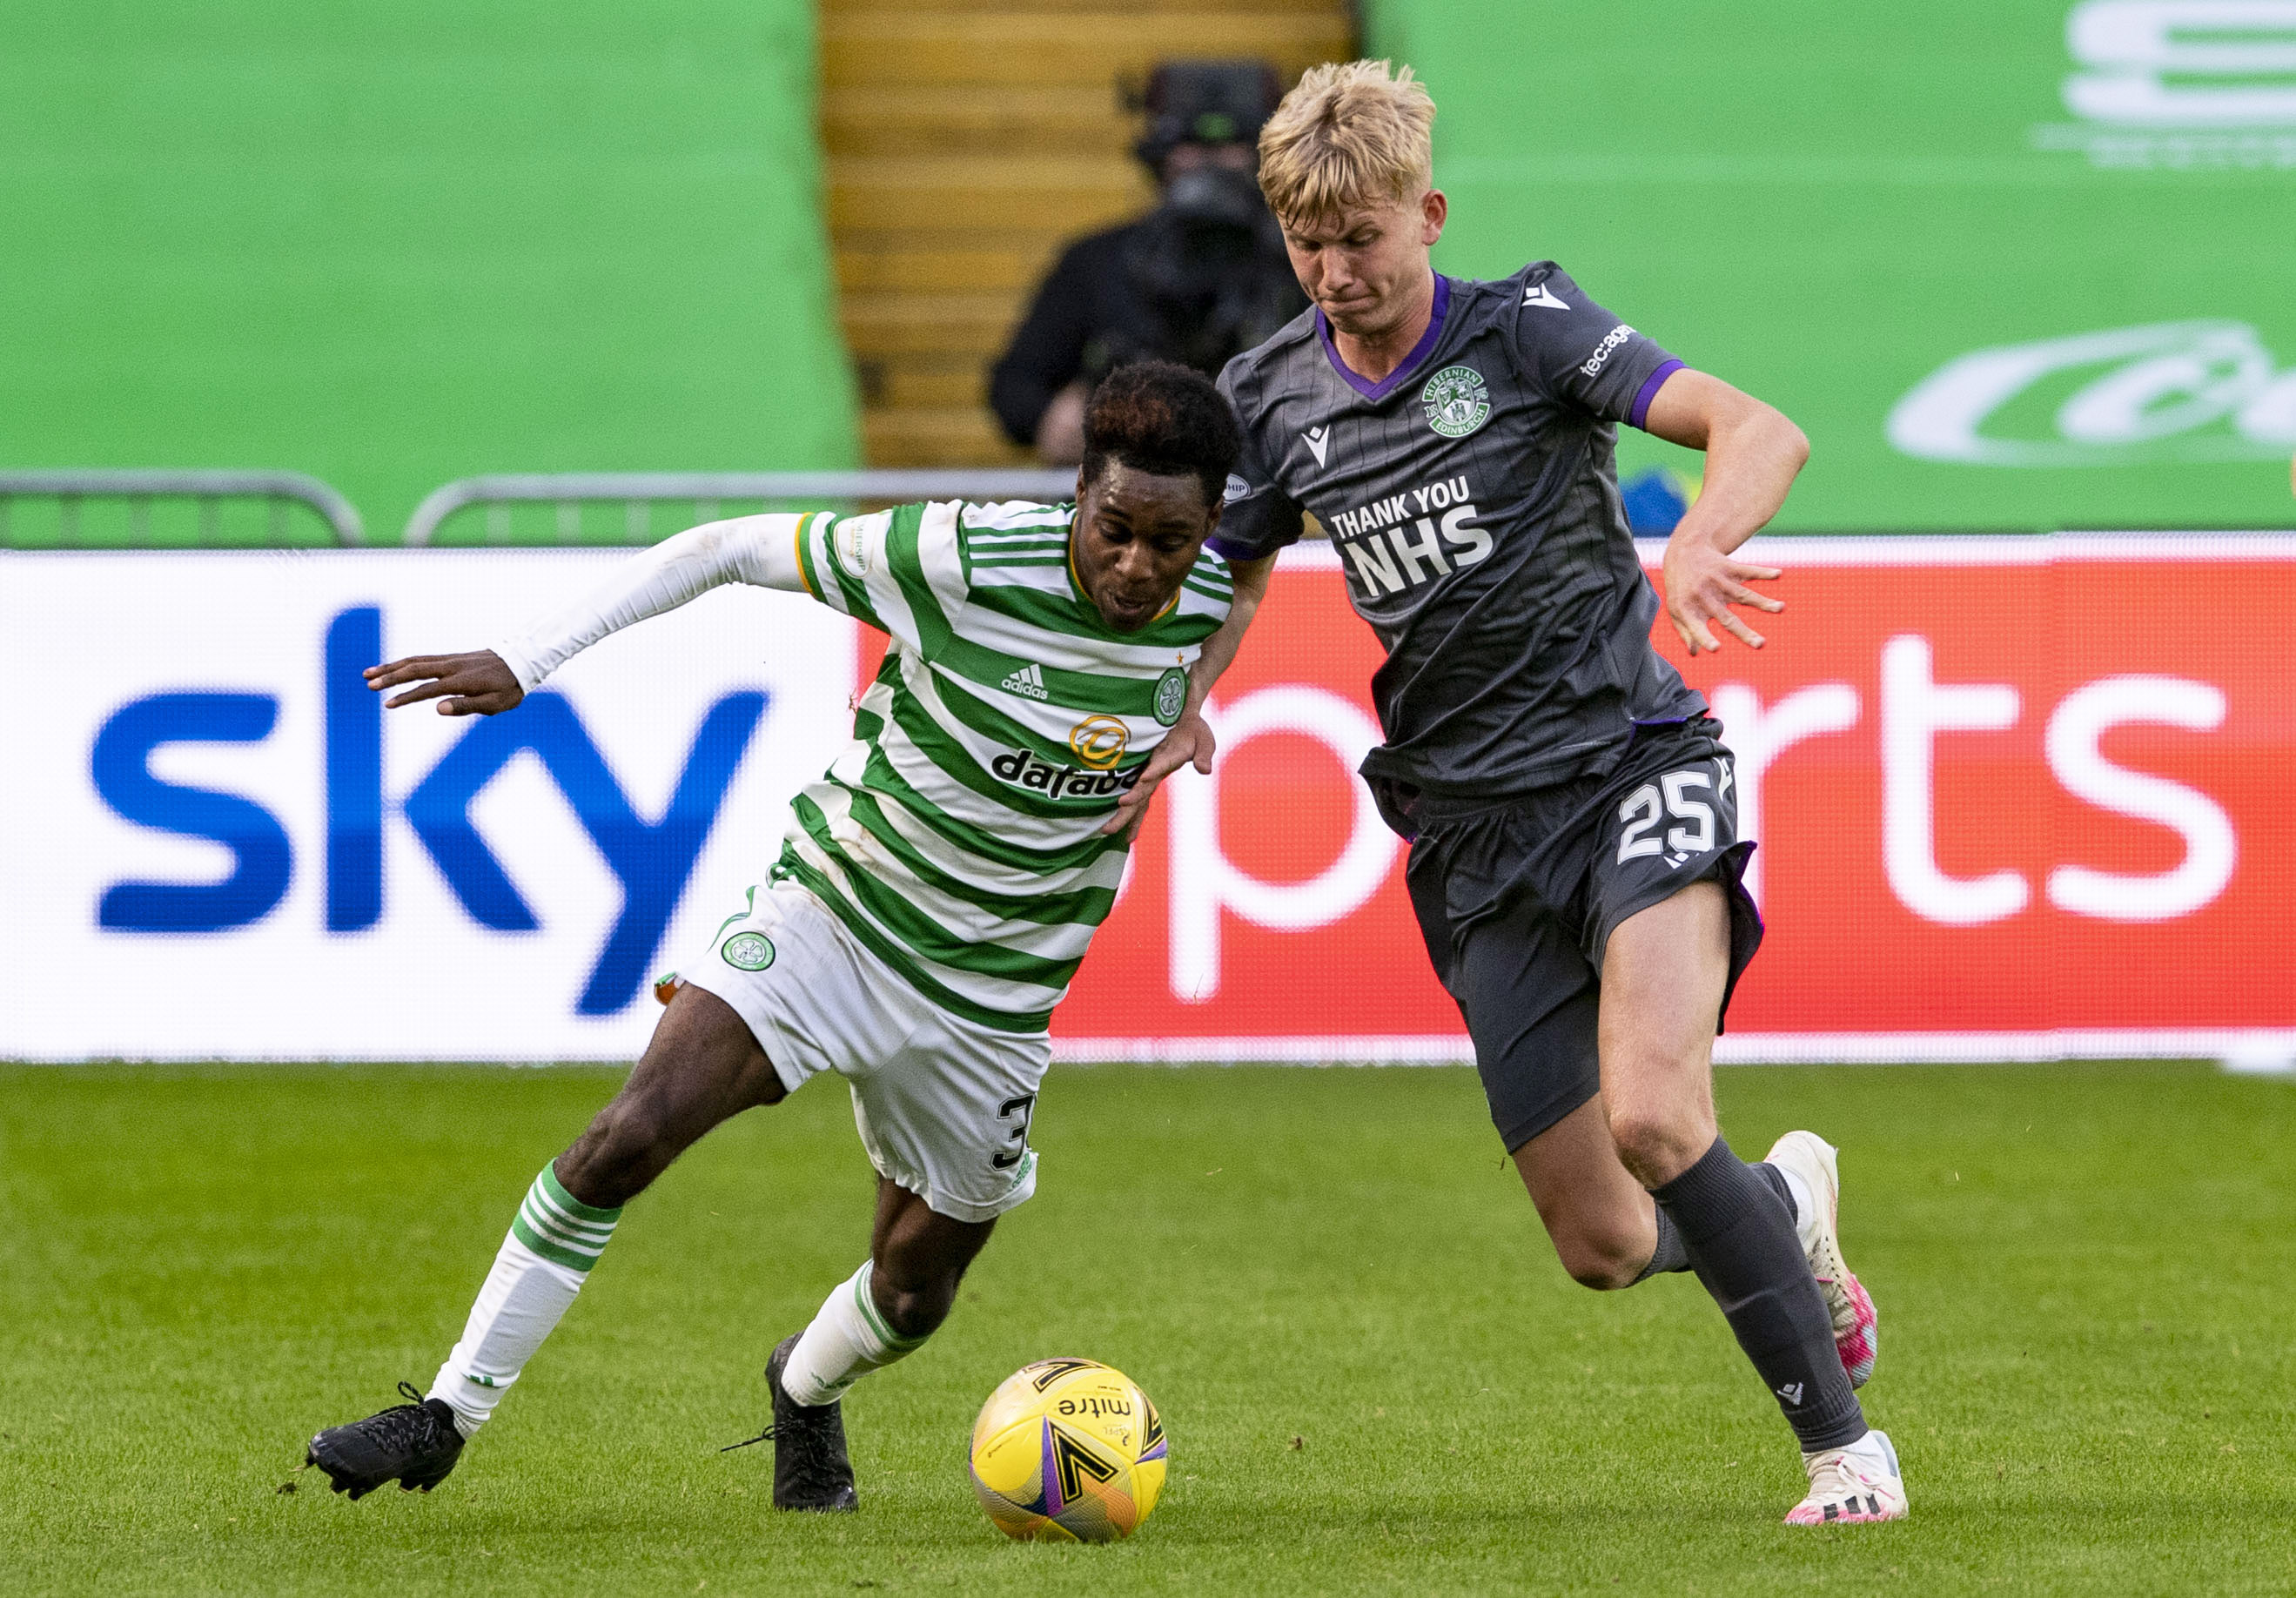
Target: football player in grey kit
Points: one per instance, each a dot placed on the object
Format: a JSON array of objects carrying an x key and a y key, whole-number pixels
[{"x": 1574, "y": 862}]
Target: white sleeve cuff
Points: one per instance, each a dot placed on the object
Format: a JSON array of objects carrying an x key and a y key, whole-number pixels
[{"x": 522, "y": 665}]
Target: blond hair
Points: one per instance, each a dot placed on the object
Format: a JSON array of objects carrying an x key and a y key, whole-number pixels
[{"x": 1347, "y": 134}]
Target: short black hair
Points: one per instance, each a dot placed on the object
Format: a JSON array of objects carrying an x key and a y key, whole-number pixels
[{"x": 1162, "y": 419}]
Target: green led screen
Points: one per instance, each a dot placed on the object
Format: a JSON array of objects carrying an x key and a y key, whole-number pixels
[{"x": 2011, "y": 263}]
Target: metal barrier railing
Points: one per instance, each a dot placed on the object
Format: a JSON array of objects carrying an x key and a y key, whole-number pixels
[
  {"x": 710, "y": 494},
  {"x": 137, "y": 489}
]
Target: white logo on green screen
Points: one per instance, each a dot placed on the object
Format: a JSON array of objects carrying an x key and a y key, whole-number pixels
[
  {"x": 1456, "y": 401},
  {"x": 749, "y": 951},
  {"x": 2199, "y": 390},
  {"x": 2181, "y": 85}
]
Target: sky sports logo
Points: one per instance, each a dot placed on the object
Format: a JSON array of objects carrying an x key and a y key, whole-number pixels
[{"x": 651, "y": 860}]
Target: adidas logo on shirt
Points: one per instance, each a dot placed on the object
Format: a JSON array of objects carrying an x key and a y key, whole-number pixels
[{"x": 1028, "y": 682}]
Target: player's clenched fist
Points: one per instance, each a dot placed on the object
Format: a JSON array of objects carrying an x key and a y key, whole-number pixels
[
  {"x": 479, "y": 684},
  {"x": 1701, "y": 584}
]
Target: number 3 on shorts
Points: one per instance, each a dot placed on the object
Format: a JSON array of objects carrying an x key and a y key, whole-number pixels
[
  {"x": 1640, "y": 813},
  {"x": 1021, "y": 1109}
]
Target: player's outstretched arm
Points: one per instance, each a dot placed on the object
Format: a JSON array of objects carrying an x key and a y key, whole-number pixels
[
  {"x": 745, "y": 549},
  {"x": 1190, "y": 743},
  {"x": 1753, "y": 454}
]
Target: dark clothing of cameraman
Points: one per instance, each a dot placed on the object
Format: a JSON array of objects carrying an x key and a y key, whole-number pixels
[
  {"x": 1199, "y": 280},
  {"x": 1084, "y": 300}
]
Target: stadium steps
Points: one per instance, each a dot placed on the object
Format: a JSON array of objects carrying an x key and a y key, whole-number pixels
[{"x": 966, "y": 141}]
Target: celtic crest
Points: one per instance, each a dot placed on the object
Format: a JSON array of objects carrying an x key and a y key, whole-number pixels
[
  {"x": 749, "y": 951},
  {"x": 1171, "y": 696}
]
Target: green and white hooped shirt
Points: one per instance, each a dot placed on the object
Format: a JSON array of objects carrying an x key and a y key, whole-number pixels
[{"x": 958, "y": 836}]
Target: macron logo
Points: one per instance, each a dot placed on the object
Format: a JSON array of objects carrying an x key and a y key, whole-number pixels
[
  {"x": 1028, "y": 682},
  {"x": 1319, "y": 440},
  {"x": 1792, "y": 1393},
  {"x": 1539, "y": 294}
]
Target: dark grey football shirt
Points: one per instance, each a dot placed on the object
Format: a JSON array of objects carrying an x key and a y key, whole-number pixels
[{"x": 1473, "y": 498}]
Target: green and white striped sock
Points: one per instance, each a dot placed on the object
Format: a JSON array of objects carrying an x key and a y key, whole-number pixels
[
  {"x": 560, "y": 1228},
  {"x": 847, "y": 1340},
  {"x": 554, "y": 1241}
]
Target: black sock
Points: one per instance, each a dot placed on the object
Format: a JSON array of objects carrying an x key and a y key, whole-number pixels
[
  {"x": 1740, "y": 1237},
  {"x": 1777, "y": 1178},
  {"x": 1670, "y": 1254}
]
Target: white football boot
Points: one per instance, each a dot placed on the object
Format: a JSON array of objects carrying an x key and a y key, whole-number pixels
[
  {"x": 1848, "y": 1486},
  {"x": 1856, "y": 1326}
]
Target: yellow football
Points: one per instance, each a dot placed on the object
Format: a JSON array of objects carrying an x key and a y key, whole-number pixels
[{"x": 1068, "y": 1450}]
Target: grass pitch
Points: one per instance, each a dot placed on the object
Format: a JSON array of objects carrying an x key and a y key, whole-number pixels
[{"x": 1376, "y": 1378}]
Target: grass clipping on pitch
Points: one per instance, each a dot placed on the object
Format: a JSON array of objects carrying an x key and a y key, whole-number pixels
[{"x": 1375, "y": 1376}]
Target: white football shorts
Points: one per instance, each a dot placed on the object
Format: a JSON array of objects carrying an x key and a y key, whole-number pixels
[{"x": 942, "y": 1103}]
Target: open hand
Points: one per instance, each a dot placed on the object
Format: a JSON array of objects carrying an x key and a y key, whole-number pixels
[
  {"x": 1701, "y": 584},
  {"x": 474, "y": 684},
  {"x": 1190, "y": 740}
]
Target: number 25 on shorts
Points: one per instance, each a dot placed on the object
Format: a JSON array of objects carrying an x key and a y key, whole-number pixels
[{"x": 1642, "y": 812}]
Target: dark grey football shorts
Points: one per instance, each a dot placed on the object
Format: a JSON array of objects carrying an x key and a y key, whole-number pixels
[{"x": 1517, "y": 901}]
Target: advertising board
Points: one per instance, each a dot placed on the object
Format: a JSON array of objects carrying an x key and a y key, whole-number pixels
[
  {"x": 217, "y": 844},
  {"x": 2014, "y": 798}
]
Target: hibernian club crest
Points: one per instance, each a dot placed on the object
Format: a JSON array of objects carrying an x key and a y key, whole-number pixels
[{"x": 1456, "y": 401}]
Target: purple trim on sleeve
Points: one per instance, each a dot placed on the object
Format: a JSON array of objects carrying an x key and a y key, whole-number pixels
[
  {"x": 1649, "y": 391},
  {"x": 1419, "y": 352}
]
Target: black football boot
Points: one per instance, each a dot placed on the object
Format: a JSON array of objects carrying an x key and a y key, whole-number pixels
[
  {"x": 415, "y": 1443},
  {"x": 811, "y": 1470}
]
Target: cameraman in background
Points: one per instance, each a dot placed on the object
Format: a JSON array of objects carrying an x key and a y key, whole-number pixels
[{"x": 1198, "y": 279}]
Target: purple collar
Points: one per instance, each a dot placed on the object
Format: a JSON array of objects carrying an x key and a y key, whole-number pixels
[{"x": 1419, "y": 352}]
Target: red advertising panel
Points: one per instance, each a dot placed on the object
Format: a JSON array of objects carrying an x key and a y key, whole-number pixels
[{"x": 2014, "y": 798}]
